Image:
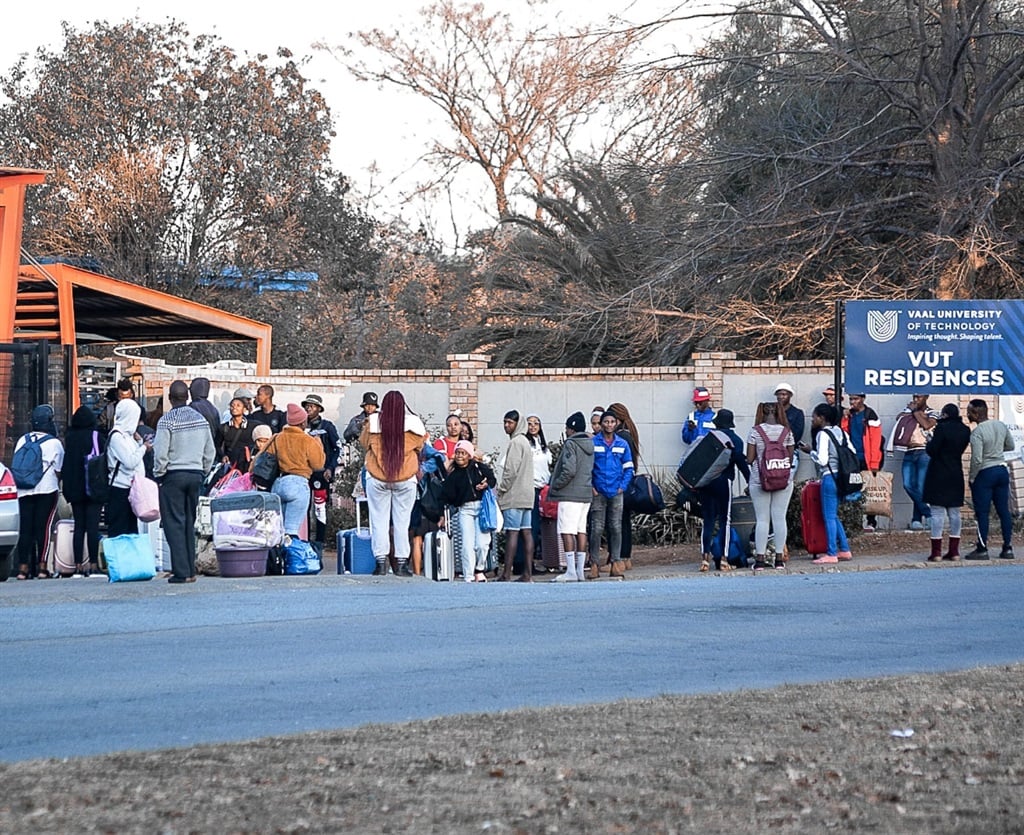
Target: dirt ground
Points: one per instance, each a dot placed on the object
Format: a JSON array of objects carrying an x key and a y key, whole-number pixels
[{"x": 911, "y": 754}]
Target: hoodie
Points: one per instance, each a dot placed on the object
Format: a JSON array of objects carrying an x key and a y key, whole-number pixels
[
  {"x": 122, "y": 448},
  {"x": 515, "y": 490},
  {"x": 77, "y": 444},
  {"x": 199, "y": 389},
  {"x": 570, "y": 480}
]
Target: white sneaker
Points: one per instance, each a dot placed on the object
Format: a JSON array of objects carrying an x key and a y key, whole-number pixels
[{"x": 566, "y": 578}]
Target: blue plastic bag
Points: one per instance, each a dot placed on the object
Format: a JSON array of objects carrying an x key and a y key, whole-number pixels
[
  {"x": 129, "y": 557},
  {"x": 300, "y": 558},
  {"x": 489, "y": 519}
]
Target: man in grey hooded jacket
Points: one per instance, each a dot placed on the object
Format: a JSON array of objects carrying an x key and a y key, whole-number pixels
[
  {"x": 515, "y": 496},
  {"x": 571, "y": 487}
]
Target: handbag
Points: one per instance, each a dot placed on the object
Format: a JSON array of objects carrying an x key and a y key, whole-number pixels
[
  {"x": 144, "y": 497},
  {"x": 431, "y": 503},
  {"x": 129, "y": 557},
  {"x": 877, "y": 491},
  {"x": 265, "y": 468},
  {"x": 490, "y": 519},
  {"x": 644, "y": 495}
]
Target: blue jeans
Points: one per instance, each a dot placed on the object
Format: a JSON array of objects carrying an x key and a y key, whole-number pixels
[
  {"x": 915, "y": 465},
  {"x": 714, "y": 510},
  {"x": 992, "y": 485},
  {"x": 830, "y": 510},
  {"x": 294, "y": 493}
]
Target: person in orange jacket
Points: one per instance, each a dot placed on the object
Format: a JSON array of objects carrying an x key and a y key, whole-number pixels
[{"x": 862, "y": 424}]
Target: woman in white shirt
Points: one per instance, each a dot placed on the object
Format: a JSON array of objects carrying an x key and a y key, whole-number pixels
[
  {"x": 541, "y": 476},
  {"x": 770, "y": 505},
  {"x": 37, "y": 505},
  {"x": 825, "y": 454}
]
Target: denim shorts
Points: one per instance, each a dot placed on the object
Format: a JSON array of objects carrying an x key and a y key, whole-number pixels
[{"x": 518, "y": 518}]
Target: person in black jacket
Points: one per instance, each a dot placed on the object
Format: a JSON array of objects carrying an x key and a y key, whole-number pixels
[
  {"x": 82, "y": 435},
  {"x": 715, "y": 498},
  {"x": 944, "y": 479},
  {"x": 463, "y": 487}
]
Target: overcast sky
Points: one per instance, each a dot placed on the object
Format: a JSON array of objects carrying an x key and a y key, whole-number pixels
[{"x": 386, "y": 129}]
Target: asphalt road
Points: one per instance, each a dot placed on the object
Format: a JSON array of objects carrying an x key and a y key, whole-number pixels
[{"x": 87, "y": 667}]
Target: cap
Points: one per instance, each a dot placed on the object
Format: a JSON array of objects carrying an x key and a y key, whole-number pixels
[
  {"x": 576, "y": 422},
  {"x": 370, "y": 399},
  {"x": 700, "y": 394},
  {"x": 784, "y": 387},
  {"x": 724, "y": 420},
  {"x": 244, "y": 394},
  {"x": 829, "y": 390},
  {"x": 296, "y": 415},
  {"x": 315, "y": 399}
]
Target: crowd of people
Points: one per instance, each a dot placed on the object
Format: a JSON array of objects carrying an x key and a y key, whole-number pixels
[{"x": 588, "y": 479}]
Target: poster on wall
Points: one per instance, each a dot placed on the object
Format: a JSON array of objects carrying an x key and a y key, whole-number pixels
[{"x": 932, "y": 347}]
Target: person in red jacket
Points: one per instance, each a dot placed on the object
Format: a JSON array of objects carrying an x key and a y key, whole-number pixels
[{"x": 865, "y": 430}]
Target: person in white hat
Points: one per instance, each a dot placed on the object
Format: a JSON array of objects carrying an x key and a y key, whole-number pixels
[{"x": 794, "y": 416}]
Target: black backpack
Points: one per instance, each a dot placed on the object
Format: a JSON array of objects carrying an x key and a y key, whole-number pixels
[{"x": 848, "y": 477}]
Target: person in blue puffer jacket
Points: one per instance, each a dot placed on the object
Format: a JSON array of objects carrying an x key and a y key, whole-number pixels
[{"x": 613, "y": 471}]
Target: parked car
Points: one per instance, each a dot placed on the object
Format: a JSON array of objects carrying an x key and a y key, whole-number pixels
[{"x": 10, "y": 521}]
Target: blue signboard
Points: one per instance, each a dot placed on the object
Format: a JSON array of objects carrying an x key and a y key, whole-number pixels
[{"x": 959, "y": 347}]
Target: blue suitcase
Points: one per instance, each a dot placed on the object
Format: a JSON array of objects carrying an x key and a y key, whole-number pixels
[{"x": 355, "y": 551}]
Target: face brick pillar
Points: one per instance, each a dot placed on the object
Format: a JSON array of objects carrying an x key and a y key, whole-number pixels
[{"x": 463, "y": 385}]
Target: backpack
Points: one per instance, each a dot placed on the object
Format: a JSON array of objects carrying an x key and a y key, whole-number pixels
[
  {"x": 848, "y": 477},
  {"x": 27, "y": 464},
  {"x": 97, "y": 476},
  {"x": 708, "y": 459},
  {"x": 774, "y": 464}
]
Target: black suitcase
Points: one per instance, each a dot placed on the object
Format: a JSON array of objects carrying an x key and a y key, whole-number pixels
[{"x": 706, "y": 461}]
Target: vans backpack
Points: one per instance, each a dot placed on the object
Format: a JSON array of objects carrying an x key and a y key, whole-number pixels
[
  {"x": 774, "y": 464},
  {"x": 847, "y": 475},
  {"x": 27, "y": 464}
]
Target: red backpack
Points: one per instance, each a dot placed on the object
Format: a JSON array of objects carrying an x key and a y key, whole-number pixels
[{"x": 774, "y": 464}]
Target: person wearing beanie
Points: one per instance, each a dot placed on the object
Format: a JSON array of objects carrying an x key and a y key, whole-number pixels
[
  {"x": 183, "y": 454},
  {"x": 298, "y": 455},
  {"x": 37, "y": 505},
  {"x": 571, "y": 488},
  {"x": 944, "y": 480},
  {"x": 463, "y": 487}
]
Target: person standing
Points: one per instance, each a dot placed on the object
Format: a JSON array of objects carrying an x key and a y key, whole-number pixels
[
  {"x": 183, "y": 454},
  {"x": 298, "y": 456},
  {"x": 910, "y": 435},
  {"x": 770, "y": 501},
  {"x": 463, "y": 487},
  {"x": 355, "y": 425},
  {"x": 246, "y": 397},
  {"x": 326, "y": 433},
  {"x": 265, "y": 412},
  {"x": 392, "y": 439},
  {"x": 451, "y": 437},
  {"x": 541, "y": 477},
  {"x": 863, "y": 426},
  {"x": 199, "y": 389},
  {"x": 626, "y": 429},
  {"x": 794, "y": 418},
  {"x": 515, "y": 496},
  {"x": 700, "y": 421},
  {"x": 236, "y": 437},
  {"x": 944, "y": 480},
  {"x": 825, "y": 419},
  {"x": 37, "y": 504},
  {"x": 572, "y": 488},
  {"x": 989, "y": 478},
  {"x": 126, "y": 454},
  {"x": 715, "y": 498},
  {"x": 613, "y": 471},
  {"x": 83, "y": 435}
]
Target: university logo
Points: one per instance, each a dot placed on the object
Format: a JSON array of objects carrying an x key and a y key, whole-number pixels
[{"x": 883, "y": 324}]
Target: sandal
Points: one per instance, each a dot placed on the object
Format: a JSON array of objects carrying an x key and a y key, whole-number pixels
[
  {"x": 43, "y": 574},
  {"x": 705, "y": 564},
  {"x": 480, "y": 577}
]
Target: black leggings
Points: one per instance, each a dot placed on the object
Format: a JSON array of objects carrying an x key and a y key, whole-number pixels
[
  {"x": 37, "y": 515},
  {"x": 87, "y": 524}
]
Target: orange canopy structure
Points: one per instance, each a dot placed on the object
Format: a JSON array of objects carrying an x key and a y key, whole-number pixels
[{"x": 71, "y": 306}]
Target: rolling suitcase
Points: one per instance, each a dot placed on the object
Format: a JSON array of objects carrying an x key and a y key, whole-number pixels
[
  {"x": 63, "y": 547},
  {"x": 552, "y": 552},
  {"x": 812, "y": 519},
  {"x": 706, "y": 461},
  {"x": 439, "y": 555},
  {"x": 355, "y": 549},
  {"x": 247, "y": 520}
]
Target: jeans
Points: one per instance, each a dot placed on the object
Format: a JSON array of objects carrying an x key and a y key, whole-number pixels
[
  {"x": 294, "y": 493},
  {"x": 475, "y": 543},
  {"x": 606, "y": 515},
  {"x": 939, "y": 520},
  {"x": 714, "y": 511},
  {"x": 390, "y": 504},
  {"x": 915, "y": 465},
  {"x": 179, "y": 498},
  {"x": 830, "y": 510},
  {"x": 992, "y": 485}
]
